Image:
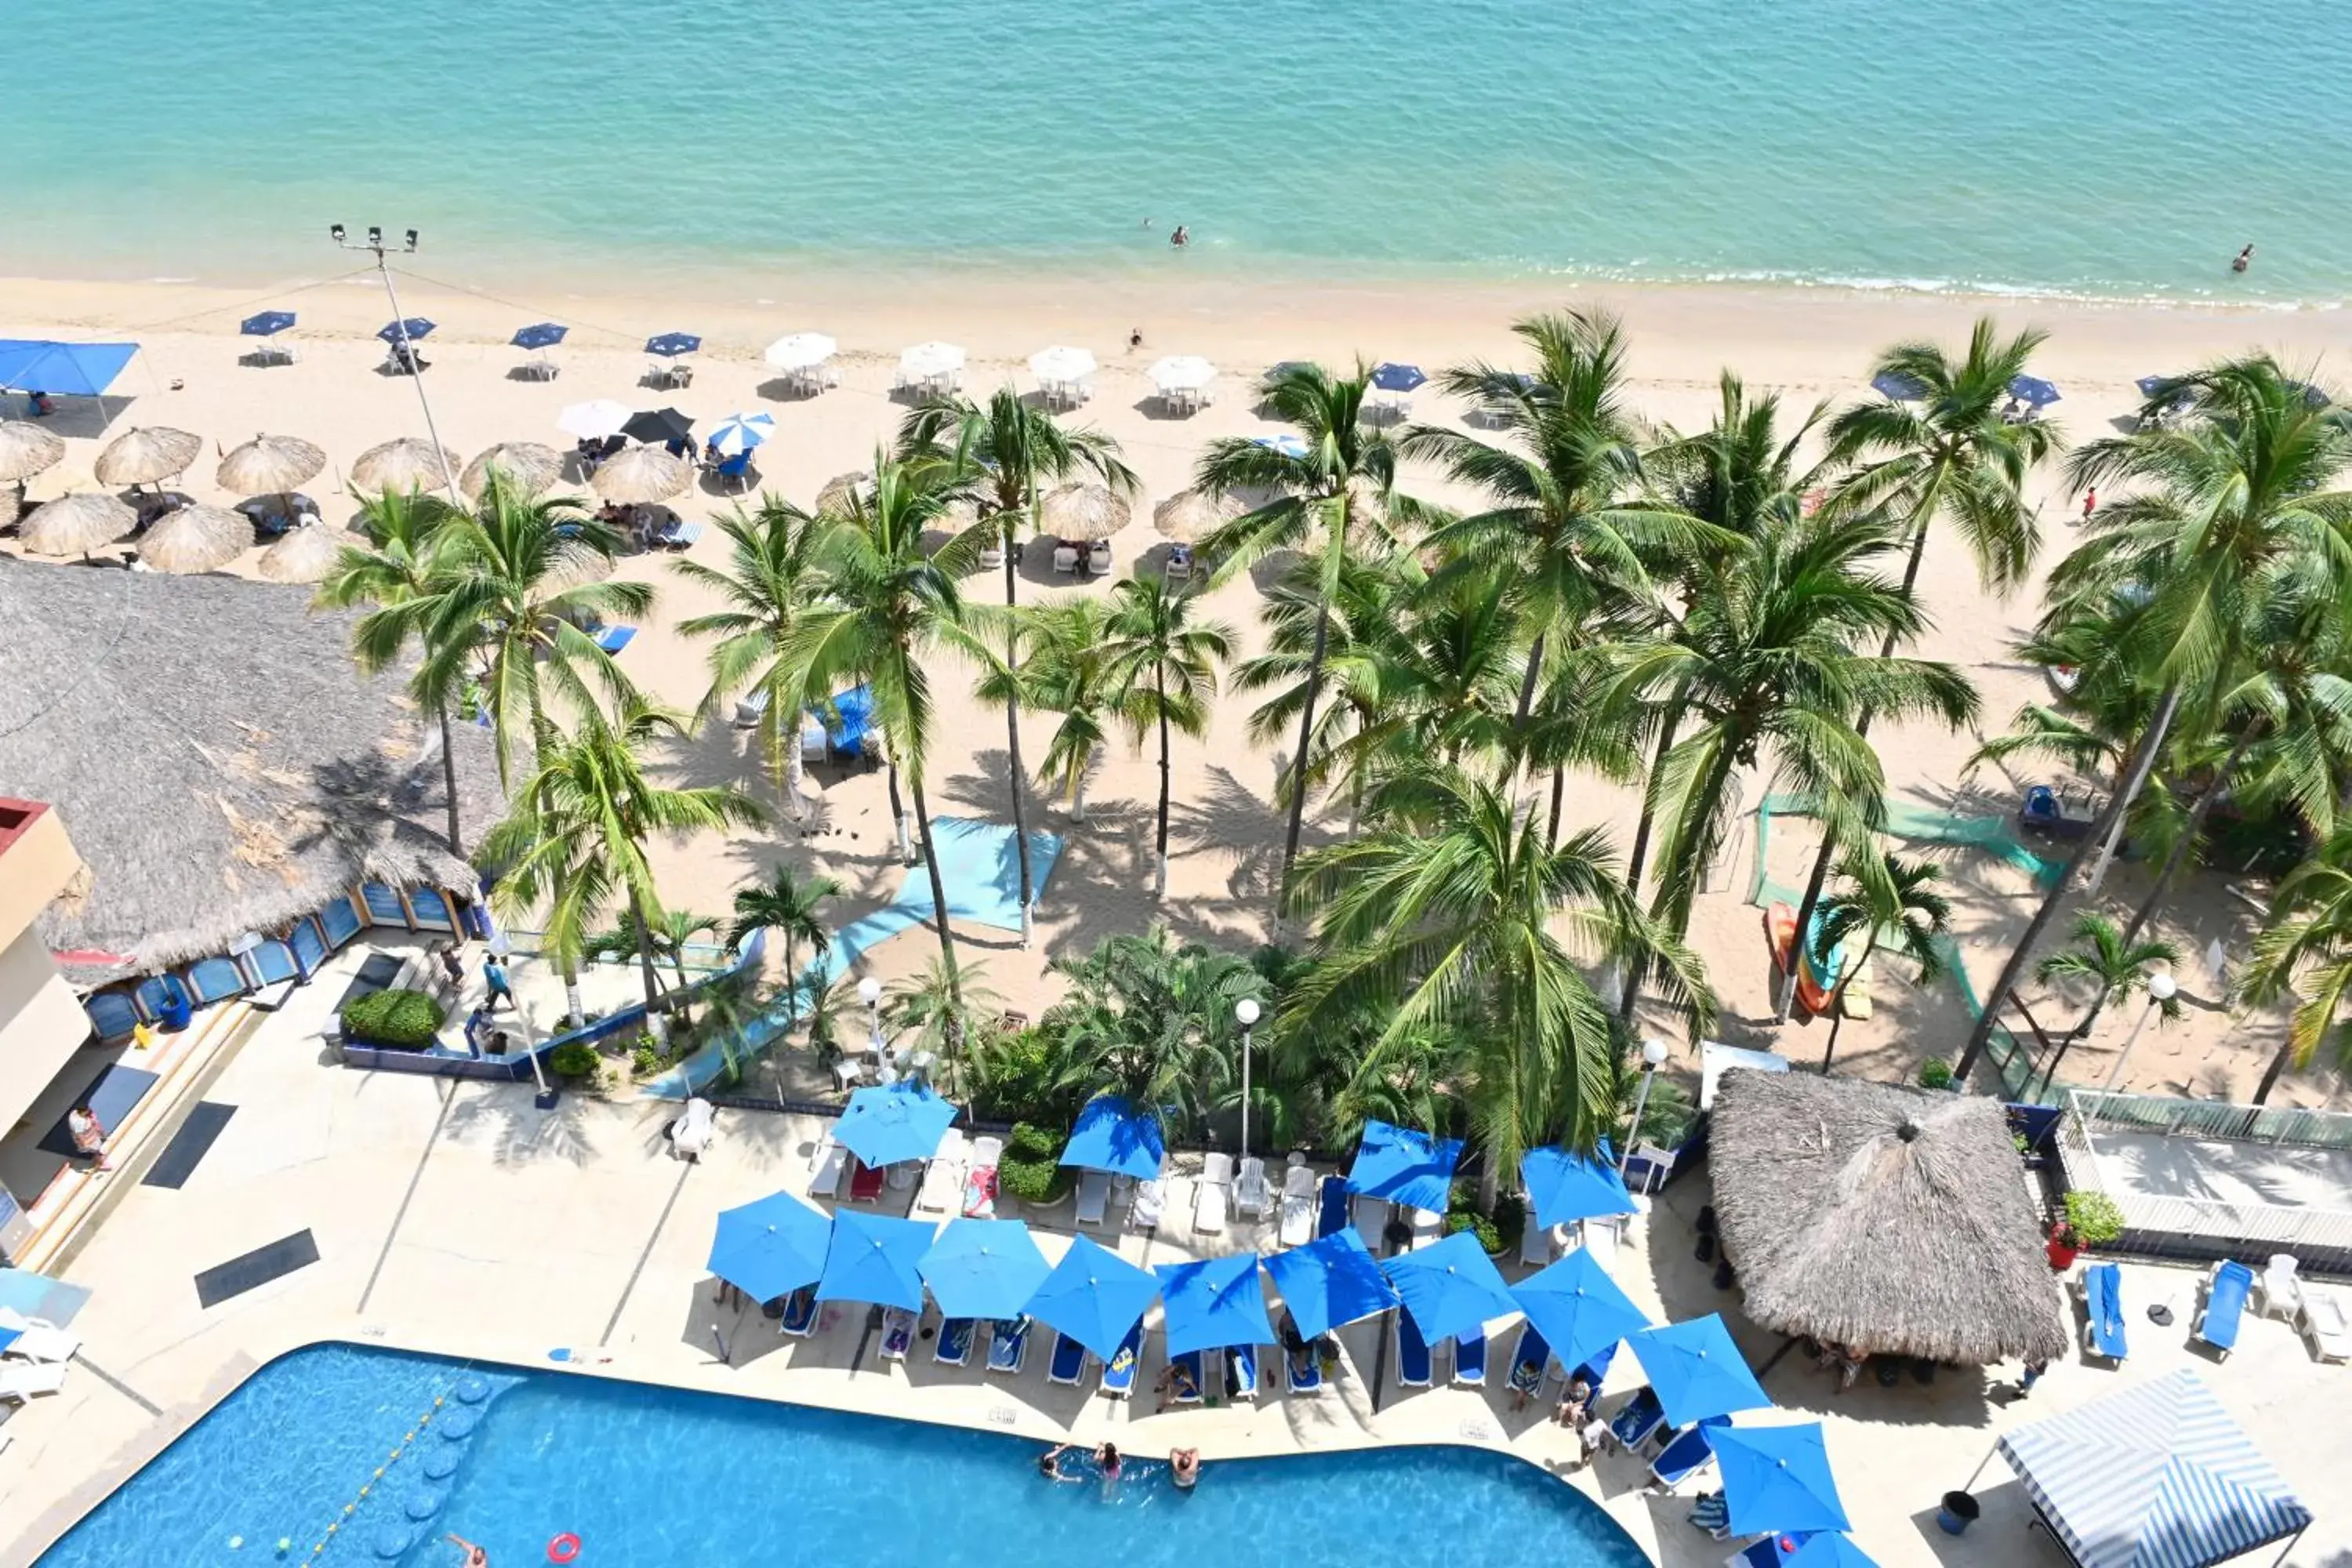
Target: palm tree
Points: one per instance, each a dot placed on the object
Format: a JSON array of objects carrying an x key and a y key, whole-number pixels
[
  {"x": 769, "y": 583},
  {"x": 666, "y": 939},
  {"x": 2305, "y": 952},
  {"x": 1070, "y": 674},
  {"x": 1884, "y": 899},
  {"x": 1448, "y": 677},
  {"x": 945, "y": 1014},
  {"x": 2115, "y": 966},
  {"x": 1008, "y": 454},
  {"x": 886, "y": 609},
  {"x": 1450, "y": 912},
  {"x": 395, "y": 568},
  {"x": 1343, "y": 486},
  {"x": 574, "y": 840},
  {"x": 788, "y": 905},
  {"x": 1151, "y": 1020},
  {"x": 1163, "y": 668}
]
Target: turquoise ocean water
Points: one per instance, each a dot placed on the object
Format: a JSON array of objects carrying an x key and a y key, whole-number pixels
[{"x": 2081, "y": 146}]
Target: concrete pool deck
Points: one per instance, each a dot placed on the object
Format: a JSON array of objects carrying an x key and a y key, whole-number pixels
[{"x": 455, "y": 1217}]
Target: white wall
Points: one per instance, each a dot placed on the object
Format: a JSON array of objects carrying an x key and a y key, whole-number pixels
[{"x": 41, "y": 1024}]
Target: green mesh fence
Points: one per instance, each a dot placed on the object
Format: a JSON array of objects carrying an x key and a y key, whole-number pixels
[{"x": 1916, "y": 825}]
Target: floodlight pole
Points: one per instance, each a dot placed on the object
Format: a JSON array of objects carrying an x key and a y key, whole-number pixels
[
  {"x": 373, "y": 245},
  {"x": 1654, "y": 1056},
  {"x": 1245, "y": 1010}
]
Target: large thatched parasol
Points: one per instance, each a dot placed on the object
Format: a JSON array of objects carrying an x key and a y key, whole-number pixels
[
  {"x": 75, "y": 524},
  {"x": 1082, "y": 513},
  {"x": 526, "y": 464},
  {"x": 195, "y": 539},
  {"x": 407, "y": 464},
  {"x": 147, "y": 456},
  {"x": 26, "y": 449},
  {"x": 269, "y": 465},
  {"x": 1187, "y": 516},
  {"x": 842, "y": 490},
  {"x": 641, "y": 476},
  {"x": 307, "y": 554},
  {"x": 1895, "y": 1221}
]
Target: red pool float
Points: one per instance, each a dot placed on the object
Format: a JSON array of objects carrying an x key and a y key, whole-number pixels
[{"x": 564, "y": 1548}]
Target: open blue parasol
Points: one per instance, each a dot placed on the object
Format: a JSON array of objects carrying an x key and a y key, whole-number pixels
[{"x": 771, "y": 1247}]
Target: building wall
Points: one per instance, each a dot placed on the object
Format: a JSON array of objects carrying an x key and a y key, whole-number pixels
[
  {"x": 41, "y": 1024},
  {"x": 38, "y": 862}
]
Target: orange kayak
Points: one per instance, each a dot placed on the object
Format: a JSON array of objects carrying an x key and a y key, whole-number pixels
[{"x": 1779, "y": 933}]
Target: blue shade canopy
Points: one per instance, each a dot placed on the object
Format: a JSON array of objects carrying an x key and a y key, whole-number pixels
[
  {"x": 1404, "y": 1167},
  {"x": 1093, "y": 1296},
  {"x": 1896, "y": 385},
  {"x": 1777, "y": 1480},
  {"x": 874, "y": 1258},
  {"x": 1288, "y": 445},
  {"x": 2033, "y": 390},
  {"x": 2157, "y": 1476},
  {"x": 1213, "y": 1304},
  {"x": 1389, "y": 376},
  {"x": 270, "y": 323},
  {"x": 850, "y": 717},
  {"x": 738, "y": 433},
  {"x": 894, "y": 1122},
  {"x": 413, "y": 327},
  {"x": 1330, "y": 1283},
  {"x": 1828, "y": 1551},
  {"x": 1697, "y": 1370},
  {"x": 1113, "y": 1135},
  {"x": 984, "y": 1269},
  {"x": 69, "y": 369},
  {"x": 669, "y": 346},
  {"x": 1450, "y": 1287},
  {"x": 539, "y": 335},
  {"x": 1579, "y": 1310},
  {"x": 1569, "y": 1186},
  {"x": 771, "y": 1247}
]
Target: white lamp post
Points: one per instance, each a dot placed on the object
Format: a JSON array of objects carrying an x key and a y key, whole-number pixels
[
  {"x": 1247, "y": 1011},
  {"x": 375, "y": 247},
  {"x": 2161, "y": 988},
  {"x": 1654, "y": 1056},
  {"x": 869, "y": 990}
]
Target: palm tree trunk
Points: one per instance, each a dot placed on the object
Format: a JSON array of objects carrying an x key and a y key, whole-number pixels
[
  {"x": 899, "y": 814},
  {"x": 939, "y": 895},
  {"x": 1837, "y": 1000},
  {"x": 1015, "y": 777},
  {"x": 1633, "y": 992},
  {"x": 449, "y": 780},
  {"x": 2022, "y": 954},
  {"x": 574, "y": 1009},
  {"x": 1079, "y": 793},
  {"x": 2205, "y": 799},
  {"x": 2112, "y": 830},
  {"x": 1559, "y": 789},
  {"x": 680, "y": 1004},
  {"x": 1299, "y": 760},
  {"x": 792, "y": 986},
  {"x": 654, "y": 1001},
  {"x": 2271, "y": 1073},
  {"x": 1160, "y": 885},
  {"x": 793, "y": 772}
]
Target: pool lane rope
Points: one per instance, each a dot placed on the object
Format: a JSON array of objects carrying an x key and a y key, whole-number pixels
[{"x": 390, "y": 1459}]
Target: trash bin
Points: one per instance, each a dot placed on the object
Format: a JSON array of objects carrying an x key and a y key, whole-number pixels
[
  {"x": 1958, "y": 1512},
  {"x": 178, "y": 1010}
]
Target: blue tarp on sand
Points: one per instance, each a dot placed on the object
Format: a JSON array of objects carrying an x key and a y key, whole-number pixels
[{"x": 69, "y": 369}]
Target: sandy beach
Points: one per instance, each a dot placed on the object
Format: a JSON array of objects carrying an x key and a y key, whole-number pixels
[{"x": 1808, "y": 344}]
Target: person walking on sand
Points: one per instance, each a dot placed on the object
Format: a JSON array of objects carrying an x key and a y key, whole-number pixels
[
  {"x": 2245, "y": 259},
  {"x": 495, "y": 986},
  {"x": 2090, "y": 503}
]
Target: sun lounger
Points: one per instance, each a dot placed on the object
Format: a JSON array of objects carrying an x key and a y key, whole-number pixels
[
  {"x": 953, "y": 1347},
  {"x": 690, "y": 1134},
  {"x": 2322, "y": 1318},
  {"x": 865, "y": 1182},
  {"x": 826, "y": 1166},
  {"x": 943, "y": 1177},
  {"x": 1069, "y": 1359},
  {"x": 680, "y": 534},
  {"x": 1641, "y": 1418},
  {"x": 1098, "y": 561},
  {"x": 992, "y": 555},
  {"x": 1240, "y": 1372},
  {"x": 800, "y": 1313},
  {"x": 898, "y": 1334},
  {"x": 980, "y": 1193},
  {"x": 1712, "y": 1513},
  {"x": 1094, "y": 1196},
  {"x": 1539, "y": 1244},
  {"x": 1530, "y": 1358},
  {"x": 1008, "y": 1346},
  {"x": 1298, "y": 1223},
  {"x": 1304, "y": 1368},
  {"x": 24, "y": 1380},
  {"x": 1470, "y": 1359},
  {"x": 1764, "y": 1553},
  {"x": 1411, "y": 1353},
  {"x": 1119, "y": 1373},
  {"x": 612, "y": 639},
  {"x": 2282, "y": 1291},
  {"x": 1184, "y": 1378},
  {"x": 1600, "y": 1237},
  {"x": 1066, "y": 557},
  {"x": 1370, "y": 1218},
  {"x": 2103, "y": 1311},
  {"x": 1150, "y": 1200},
  {"x": 1331, "y": 1208},
  {"x": 38, "y": 1339},
  {"x": 1209, "y": 1204},
  {"x": 1253, "y": 1194},
  {"x": 2227, "y": 1287},
  {"x": 1428, "y": 1228},
  {"x": 1685, "y": 1456}
]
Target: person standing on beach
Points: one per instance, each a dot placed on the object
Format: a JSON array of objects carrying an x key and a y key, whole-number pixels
[
  {"x": 2245, "y": 259},
  {"x": 2090, "y": 503}
]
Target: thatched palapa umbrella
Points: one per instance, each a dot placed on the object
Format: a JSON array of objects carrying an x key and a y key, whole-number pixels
[
  {"x": 527, "y": 465},
  {"x": 1894, "y": 1221},
  {"x": 1189, "y": 515},
  {"x": 407, "y": 464},
  {"x": 1082, "y": 513},
  {"x": 269, "y": 465},
  {"x": 27, "y": 449},
  {"x": 641, "y": 476},
  {"x": 307, "y": 554},
  {"x": 147, "y": 456},
  {"x": 195, "y": 539},
  {"x": 75, "y": 524},
  {"x": 841, "y": 490}
]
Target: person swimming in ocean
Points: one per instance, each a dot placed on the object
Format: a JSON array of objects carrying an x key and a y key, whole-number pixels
[
  {"x": 2245, "y": 259},
  {"x": 1183, "y": 237}
]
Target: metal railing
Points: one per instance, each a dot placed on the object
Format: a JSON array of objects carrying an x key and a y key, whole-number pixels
[{"x": 2282, "y": 1126}]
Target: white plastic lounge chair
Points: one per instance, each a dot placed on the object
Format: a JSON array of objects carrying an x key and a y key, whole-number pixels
[
  {"x": 1252, "y": 1196},
  {"x": 2280, "y": 1289},
  {"x": 1069, "y": 1360},
  {"x": 1098, "y": 561},
  {"x": 22, "y": 1381},
  {"x": 898, "y": 1334},
  {"x": 38, "y": 1339},
  {"x": 953, "y": 1346},
  {"x": 1094, "y": 1196},
  {"x": 690, "y": 1134},
  {"x": 826, "y": 1166},
  {"x": 2322, "y": 1318},
  {"x": 991, "y": 557},
  {"x": 1600, "y": 1240},
  {"x": 1539, "y": 1244},
  {"x": 1066, "y": 557},
  {"x": 1371, "y": 1216},
  {"x": 1428, "y": 1228},
  {"x": 1212, "y": 1203},
  {"x": 943, "y": 1177},
  {"x": 1143, "y": 1211},
  {"x": 1119, "y": 1373},
  {"x": 980, "y": 1178},
  {"x": 1298, "y": 1205},
  {"x": 1008, "y": 1346}
]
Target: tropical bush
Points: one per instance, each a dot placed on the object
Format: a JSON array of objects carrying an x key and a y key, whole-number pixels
[
  {"x": 574, "y": 1059},
  {"x": 405, "y": 1020},
  {"x": 1935, "y": 1073},
  {"x": 2094, "y": 1217},
  {"x": 1014, "y": 1079},
  {"x": 1030, "y": 1169}
]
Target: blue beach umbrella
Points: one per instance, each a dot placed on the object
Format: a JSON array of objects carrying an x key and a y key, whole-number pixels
[
  {"x": 669, "y": 346},
  {"x": 540, "y": 335},
  {"x": 1828, "y": 1551},
  {"x": 874, "y": 1258},
  {"x": 1566, "y": 1187},
  {"x": 984, "y": 1269},
  {"x": 1330, "y": 1283},
  {"x": 413, "y": 328},
  {"x": 1895, "y": 385},
  {"x": 893, "y": 1121},
  {"x": 1777, "y": 1479},
  {"x": 2033, "y": 390},
  {"x": 1404, "y": 1166},
  {"x": 1288, "y": 445},
  {"x": 1450, "y": 1287},
  {"x": 2152, "y": 385},
  {"x": 1389, "y": 376},
  {"x": 1115, "y": 1136},
  {"x": 771, "y": 1247},
  {"x": 268, "y": 324},
  {"x": 1697, "y": 1370},
  {"x": 738, "y": 433},
  {"x": 1093, "y": 1296},
  {"x": 1215, "y": 1303},
  {"x": 1578, "y": 1308}
]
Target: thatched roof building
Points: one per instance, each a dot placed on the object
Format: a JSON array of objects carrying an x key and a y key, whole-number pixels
[
  {"x": 219, "y": 761},
  {"x": 1893, "y": 1220}
]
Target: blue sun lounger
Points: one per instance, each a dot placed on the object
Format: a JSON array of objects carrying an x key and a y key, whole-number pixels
[
  {"x": 1530, "y": 1358},
  {"x": 1687, "y": 1455},
  {"x": 1240, "y": 1372},
  {"x": 2226, "y": 1288},
  {"x": 1711, "y": 1514},
  {"x": 1643, "y": 1415},
  {"x": 2103, "y": 1311},
  {"x": 612, "y": 639},
  {"x": 1333, "y": 1216},
  {"x": 953, "y": 1347},
  {"x": 1304, "y": 1368},
  {"x": 1069, "y": 1359},
  {"x": 1470, "y": 1359},
  {"x": 1008, "y": 1346},
  {"x": 1119, "y": 1373},
  {"x": 1185, "y": 1372},
  {"x": 800, "y": 1313},
  {"x": 1411, "y": 1353}
]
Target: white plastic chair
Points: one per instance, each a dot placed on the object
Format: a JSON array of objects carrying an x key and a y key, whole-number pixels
[
  {"x": 1094, "y": 1196},
  {"x": 1099, "y": 562},
  {"x": 690, "y": 1134},
  {"x": 1150, "y": 1200},
  {"x": 1066, "y": 557},
  {"x": 1210, "y": 1203},
  {"x": 1251, "y": 1194},
  {"x": 2282, "y": 1291},
  {"x": 826, "y": 1167},
  {"x": 23, "y": 1381},
  {"x": 1298, "y": 1205},
  {"x": 38, "y": 1339}
]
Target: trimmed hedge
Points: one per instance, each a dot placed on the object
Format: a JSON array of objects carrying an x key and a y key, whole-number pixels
[
  {"x": 1030, "y": 1169},
  {"x": 405, "y": 1020}
]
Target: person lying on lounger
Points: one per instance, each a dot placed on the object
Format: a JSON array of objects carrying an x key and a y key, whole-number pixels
[{"x": 1177, "y": 1383}]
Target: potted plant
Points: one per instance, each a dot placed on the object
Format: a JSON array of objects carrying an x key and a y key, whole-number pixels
[{"x": 2095, "y": 1218}]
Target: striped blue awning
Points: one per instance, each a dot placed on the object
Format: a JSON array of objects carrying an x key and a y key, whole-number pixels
[{"x": 2155, "y": 1477}]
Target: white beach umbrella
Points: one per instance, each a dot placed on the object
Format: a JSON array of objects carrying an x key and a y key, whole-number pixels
[
  {"x": 1190, "y": 514},
  {"x": 641, "y": 476},
  {"x": 407, "y": 464},
  {"x": 75, "y": 524},
  {"x": 801, "y": 351},
  {"x": 307, "y": 555},
  {"x": 594, "y": 420},
  {"x": 195, "y": 539},
  {"x": 268, "y": 465},
  {"x": 147, "y": 454},
  {"x": 1086, "y": 513},
  {"x": 1061, "y": 363},
  {"x": 526, "y": 464},
  {"x": 925, "y": 360},
  {"x": 1182, "y": 373},
  {"x": 25, "y": 450}
]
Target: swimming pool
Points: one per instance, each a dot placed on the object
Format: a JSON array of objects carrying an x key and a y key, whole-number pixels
[{"x": 647, "y": 1477}]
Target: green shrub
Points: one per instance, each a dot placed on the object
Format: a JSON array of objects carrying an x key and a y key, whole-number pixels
[
  {"x": 1029, "y": 1170},
  {"x": 1935, "y": 1073},
  {"x": 574, "y": 1058},
  {"x": 645, "y": 1061},
  {"x": 408, "y": 1020},
  {"x": 1490, "y": 1236},
  {"x": 2095, "y": 1218},
  {"x": 1012, "y": 1079}
]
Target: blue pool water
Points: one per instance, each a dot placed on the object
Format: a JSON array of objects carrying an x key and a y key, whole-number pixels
[
  {"x": 2078, "y": 145},
  {"x": 649, "y": 1478}
]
